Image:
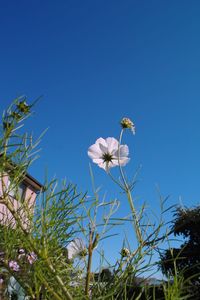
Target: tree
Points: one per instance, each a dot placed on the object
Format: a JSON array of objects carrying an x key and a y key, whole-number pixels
[{"x": 185, "y": 260}]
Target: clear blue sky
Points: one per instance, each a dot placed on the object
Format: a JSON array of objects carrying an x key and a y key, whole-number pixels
[{"x": 97, "y": 61}]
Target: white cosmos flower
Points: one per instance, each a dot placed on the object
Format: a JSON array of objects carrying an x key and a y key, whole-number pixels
[
  {"x": 107, "y": 153},
  {"x": 76, "y": 248}
]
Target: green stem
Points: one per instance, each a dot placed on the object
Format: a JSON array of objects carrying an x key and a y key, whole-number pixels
[
  {"x": 49, "y": 265},
  {"x": 115, "y": 181},
  {"x": 129, "y": 197},
  {"x": 135, "y": 218},
  {"x": 89, "y": 264},
  {"x": 60, "y": 282}
]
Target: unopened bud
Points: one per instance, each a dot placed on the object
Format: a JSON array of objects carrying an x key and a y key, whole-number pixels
[{"x": 126, "y": 123}]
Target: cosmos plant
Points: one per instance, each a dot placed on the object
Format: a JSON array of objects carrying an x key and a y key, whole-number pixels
[{"x": 53, "y": 258}]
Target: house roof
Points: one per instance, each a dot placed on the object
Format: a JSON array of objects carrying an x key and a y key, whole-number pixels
[{"x": 30, "y": 180}]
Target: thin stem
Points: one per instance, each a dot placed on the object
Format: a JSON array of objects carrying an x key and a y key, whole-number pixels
[
  {"x": 49, "y": 265},
  {"x": 129, "y": 196},
  {"x": 60, "y": 282},
  {"x": 89, "y": 264},
  {"x": 115, "y": 181}
]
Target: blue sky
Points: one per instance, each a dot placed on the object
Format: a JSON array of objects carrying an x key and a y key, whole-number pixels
[{"x": 97, "y": 61}]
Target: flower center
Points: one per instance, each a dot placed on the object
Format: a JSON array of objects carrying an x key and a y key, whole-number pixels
[{"x": 107, "y": 157}]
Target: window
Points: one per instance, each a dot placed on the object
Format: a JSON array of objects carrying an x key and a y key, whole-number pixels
[
  {"x": 21, "y": 191},
  {"x": 17, "y": 193},
  {"x": 10, "y": 188}
]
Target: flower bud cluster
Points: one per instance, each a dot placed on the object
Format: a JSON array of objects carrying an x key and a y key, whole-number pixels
[
  {"x": 126, "y": 123},
  {"x": 15, "y": 114},
  {"x": 125, "y": 252}
]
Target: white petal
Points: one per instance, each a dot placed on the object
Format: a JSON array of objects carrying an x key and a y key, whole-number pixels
[
  {"x": 94, "y": 151},
  {"x": 103, "y": 165},
  {"x": 123, "y": 161},
  {"x": 75, "y": 247},
  {"x": 70, "y": 252},
  {"x": 98, "y": 161},
  {"x": 112, "y": 144},
  {"x": 111, "y": 165},
  {"x": 103, "y": 148},
  {"x": 102, "y": 144},
  {"x": 115, "y": 162},
  {"x": 123, "y": 151},
  {"x": 101, "y": 141}
]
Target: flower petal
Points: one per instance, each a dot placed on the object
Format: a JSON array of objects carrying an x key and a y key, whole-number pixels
[
  {"x": 123, "y": 151},
  {"x": 123, "y": 161},
  {"x": 113, "y": 162},
  {"x": 75, "y": 247},
  {"x": 102, "y": 144},
  {"x": 103, "y": 165},
  {"x": 101, "y": 141},
  {"x": 103, "y": 148},
  {"x": 112, "y": 144},
  {"x": 98, "y": 161},
  {"x": 94, "y": 151}
]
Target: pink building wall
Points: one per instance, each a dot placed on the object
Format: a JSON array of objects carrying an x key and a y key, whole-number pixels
[{"x": 23, "y": 209}]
